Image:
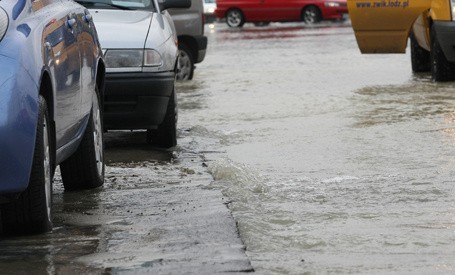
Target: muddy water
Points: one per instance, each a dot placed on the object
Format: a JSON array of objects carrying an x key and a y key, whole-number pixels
[{"x": 333, "y": 161}]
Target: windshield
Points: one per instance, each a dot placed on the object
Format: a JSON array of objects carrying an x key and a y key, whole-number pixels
[{"x": 121, "y": 4}]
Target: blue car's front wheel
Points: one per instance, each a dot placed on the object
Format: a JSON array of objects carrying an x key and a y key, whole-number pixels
[
  {"x": 85, "y": 168},
  {"x": 31, "y": 211}
]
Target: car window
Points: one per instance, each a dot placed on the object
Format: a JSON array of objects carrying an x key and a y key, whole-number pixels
[
  {"x": 133, "y": 3},
  {"x": 38, "y": 4},
  {"x": 119, "y": 4}
]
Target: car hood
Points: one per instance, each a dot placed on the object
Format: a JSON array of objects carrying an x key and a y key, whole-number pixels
[{"x": 121, "y": 29}]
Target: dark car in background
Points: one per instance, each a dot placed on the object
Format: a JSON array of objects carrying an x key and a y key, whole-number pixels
[
  {"x": 236, "y": 12},
  {"x": 51, "y": 88}
]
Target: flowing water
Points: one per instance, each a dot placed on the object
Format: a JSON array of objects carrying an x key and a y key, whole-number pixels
[{"x": 334, "y": 162}]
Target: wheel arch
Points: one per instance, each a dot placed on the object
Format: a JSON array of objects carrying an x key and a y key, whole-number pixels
[
  {"x": 100, "y": 81},
  {"x": 47, "y": 92},
  {"x": 310, "y": 5},
  {"x": 236, "y": 8},
  {"x": 191, "y": 43}
]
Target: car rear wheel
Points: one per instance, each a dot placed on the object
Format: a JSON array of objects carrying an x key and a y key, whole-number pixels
[
  {"x": 420, "y": 58},
  {"x": 185, "y": 64},
  {"x": 311, "y": 15},
  {"x": 441, "y": 68},
  {"x": 85, "y": 168},
  {"x": 166, "y": 134},
  {"x": 31, "y": 211},
  {"x": 235, "y": 18}
]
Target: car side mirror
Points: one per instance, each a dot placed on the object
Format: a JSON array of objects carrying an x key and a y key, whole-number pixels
[{"x": 171, "y": 4}]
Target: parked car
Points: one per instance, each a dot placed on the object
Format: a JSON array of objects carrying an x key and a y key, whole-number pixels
[
  {"x": 140, "y": 46},
  {"x": 51, "y": 87},
  {"x": 209, "y": 10},
  {"x": 189, "y": 24},
  {"x": 237, "y": 12},
  {"x": 384, "y": 27}
]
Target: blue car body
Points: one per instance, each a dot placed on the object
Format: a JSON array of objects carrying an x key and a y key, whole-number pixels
[{"x": 52, "y": 43}]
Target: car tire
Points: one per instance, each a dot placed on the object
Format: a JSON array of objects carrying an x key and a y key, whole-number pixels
[
  {"x": 185, "y": 64},
  {"x": 441, "y": 69},
  {"x": 85, "y": 168},
  {"x": 235, "y": 18},
  {"x": 311, "y": 15},
  {"x": 165, "y": 136},
  {"x": 30, "y": 213},
  {"x": 420, "y": 58}
]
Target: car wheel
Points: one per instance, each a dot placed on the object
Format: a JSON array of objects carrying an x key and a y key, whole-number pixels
[
  {"x": 234, "y": 18},
  {"x": 85, "y": 168},
  {"x": 166, "y": 134},
  {"x": 311, "y": 15},
  {"x": 185, "y": 64},
  {"x": 420, "y": 58},
  {"x": 441, "y": 68},
  {"x": 31, "y": 211}
]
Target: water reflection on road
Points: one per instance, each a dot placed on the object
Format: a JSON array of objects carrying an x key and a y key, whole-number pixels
[{"x": 334, "y": 161}]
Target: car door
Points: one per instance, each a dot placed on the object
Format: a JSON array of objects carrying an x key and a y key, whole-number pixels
[
  {"x": 383, "y": 26},
  {"x": 87, "y": 42},
  {"x": 67, "y": 74},
  {"x": 254, "y": 10},
  {"x": 281, "y": 10}
]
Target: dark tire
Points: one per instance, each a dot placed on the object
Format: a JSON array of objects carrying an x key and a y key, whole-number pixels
[
  {"x": 420, "y": 58},
  {"x": 31, "y": 212},
  {"x": 311, "y": 15},
  {"x": 85, "y": 168},
  {"x": 166, "y": 134},
  {"x": 235, "y": 18},
  {"x": 185, "y": 66},
  {"x": 441, "y": 69}
]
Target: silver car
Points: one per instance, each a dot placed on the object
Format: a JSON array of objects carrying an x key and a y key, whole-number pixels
[{"x": 141, "y": 51}]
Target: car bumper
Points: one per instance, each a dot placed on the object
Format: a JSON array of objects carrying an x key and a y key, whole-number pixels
[
  {"x": 18, "y": 120},
  {"x": 136, "y": 100},
  {"x": 445, "y": 33},
  {"x": 202, "y": 48},
  {"x": 335, "y": 13}
]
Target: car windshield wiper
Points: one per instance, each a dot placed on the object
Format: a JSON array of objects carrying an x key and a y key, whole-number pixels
[{"x": 102, "y": 2}]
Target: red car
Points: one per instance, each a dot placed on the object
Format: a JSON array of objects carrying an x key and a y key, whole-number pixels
[{"x": 237, "y": 12}]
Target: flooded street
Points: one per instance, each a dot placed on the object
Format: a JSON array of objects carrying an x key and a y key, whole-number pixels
[
  {"x": 328, "y": 161},
  {"x": 334, "y": 161}
]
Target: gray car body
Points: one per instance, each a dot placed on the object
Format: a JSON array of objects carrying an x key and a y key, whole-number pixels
[{"x": 189, "y": 25}]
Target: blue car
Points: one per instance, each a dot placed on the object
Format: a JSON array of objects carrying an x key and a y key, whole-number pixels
[{"x": 51, "y": 89}]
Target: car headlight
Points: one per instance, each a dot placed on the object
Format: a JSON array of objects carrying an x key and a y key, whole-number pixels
[
  {"x": 452, "y": 7},
  {"x": 132, "y": 58},
  {"x": 3, "y": 23},
  {"x": 152, "y": 58},
  {"x": 334, "y": 4}
]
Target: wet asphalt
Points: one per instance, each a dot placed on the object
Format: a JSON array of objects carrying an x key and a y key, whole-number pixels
[{"x": 156, "y": 214}]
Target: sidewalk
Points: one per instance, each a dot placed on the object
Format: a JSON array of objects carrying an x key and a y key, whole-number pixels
[{"x": 167, "y": 219}]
